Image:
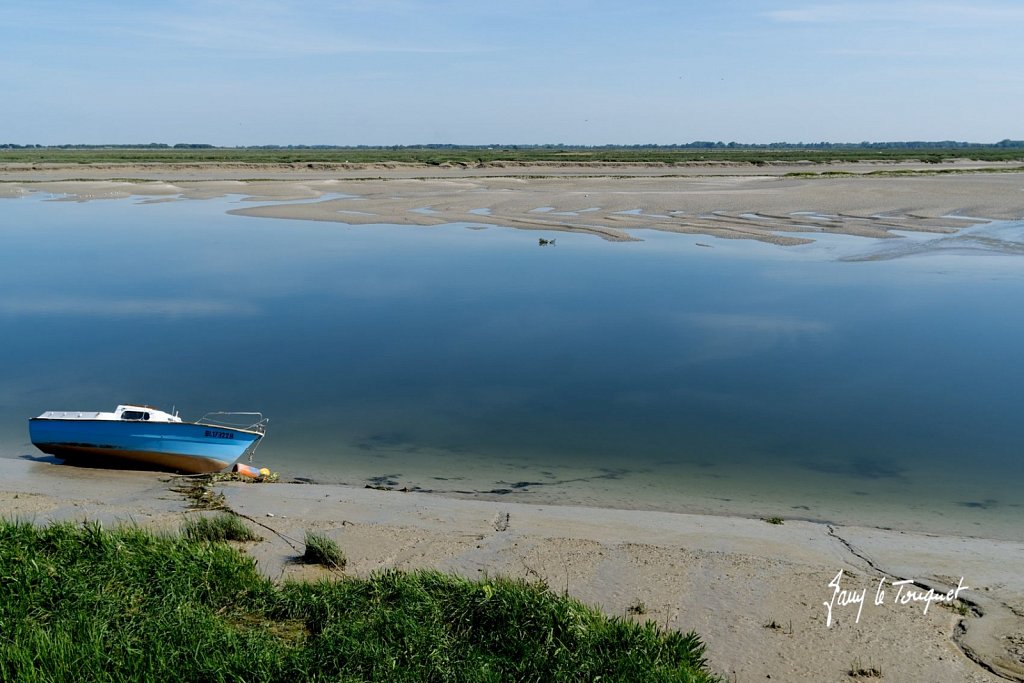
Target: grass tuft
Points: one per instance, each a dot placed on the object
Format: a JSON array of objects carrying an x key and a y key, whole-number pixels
[
  {"x": 858, "y": 671},
  {"x": 222, "y": 527},
  {"x": 637, "y": 608},
  {"x": 324, "y": 551}
]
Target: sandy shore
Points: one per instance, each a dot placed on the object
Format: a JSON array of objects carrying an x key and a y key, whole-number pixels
[
  {"x": 739, "y": 201},
  {"x": 756, "y": 592}
]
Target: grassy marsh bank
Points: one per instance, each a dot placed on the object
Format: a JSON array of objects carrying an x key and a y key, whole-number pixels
[
  {"x": 80, "y": 602},
  {"x": 457, "y": 154}
]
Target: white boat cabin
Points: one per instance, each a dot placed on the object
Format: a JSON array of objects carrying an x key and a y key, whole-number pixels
[{"x": 129, "y": 412}]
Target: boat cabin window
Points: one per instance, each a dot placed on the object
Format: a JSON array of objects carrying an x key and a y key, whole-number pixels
[{"x": 134, "y": 415}]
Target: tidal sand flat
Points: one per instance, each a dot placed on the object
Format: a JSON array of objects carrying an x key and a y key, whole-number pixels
[
  {"x": 768, "y": 599},
  {"x": 730, "y": 201},
  {"x": 785, "y": 211}
]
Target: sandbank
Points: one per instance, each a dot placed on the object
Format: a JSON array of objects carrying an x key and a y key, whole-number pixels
[
  {"x": 756, "y": 592},
  {"x": 740, "y": 201}
]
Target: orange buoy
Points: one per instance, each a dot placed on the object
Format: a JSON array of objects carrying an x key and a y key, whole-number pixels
[{"x": 246, "y": 470}]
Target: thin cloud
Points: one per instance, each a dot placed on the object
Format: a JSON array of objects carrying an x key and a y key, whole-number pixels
[
  {"x": 258, "y": 37},
  {"x": 244, "y": 28},
  {"x": 931, "y": 13}
]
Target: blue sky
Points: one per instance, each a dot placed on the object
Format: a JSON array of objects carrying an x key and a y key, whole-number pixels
[{"x": 371, "y": 72}]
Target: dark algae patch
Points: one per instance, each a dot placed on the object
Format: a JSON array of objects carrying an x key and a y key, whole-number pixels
[{"x": 78, "y": 602}]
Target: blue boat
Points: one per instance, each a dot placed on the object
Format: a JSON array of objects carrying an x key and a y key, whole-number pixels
[{"x": 143, "y": 436}]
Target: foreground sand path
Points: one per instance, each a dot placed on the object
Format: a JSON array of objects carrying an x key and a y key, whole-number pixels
[{"x": 754, "y": 591}]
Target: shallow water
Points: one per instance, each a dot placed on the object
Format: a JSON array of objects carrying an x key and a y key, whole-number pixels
[{"x": 855, "y": 380}]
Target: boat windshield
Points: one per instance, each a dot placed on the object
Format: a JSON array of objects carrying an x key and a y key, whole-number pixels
[{"x": 134, "y": 415}]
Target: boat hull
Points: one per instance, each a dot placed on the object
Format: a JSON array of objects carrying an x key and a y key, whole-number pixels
[{"x": 181, "y": 446}]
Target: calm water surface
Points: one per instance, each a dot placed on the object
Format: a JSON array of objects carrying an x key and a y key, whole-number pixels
[{"x": 854, "y": 380}]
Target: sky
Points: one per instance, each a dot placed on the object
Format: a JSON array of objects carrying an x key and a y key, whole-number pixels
[{"x": 403, "y": 72}]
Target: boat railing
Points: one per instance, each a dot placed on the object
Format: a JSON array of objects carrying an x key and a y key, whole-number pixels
[{"x": 236, "y": 420}]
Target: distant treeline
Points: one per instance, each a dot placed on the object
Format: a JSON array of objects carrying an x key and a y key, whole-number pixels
[{"x": 697, "y": 144}]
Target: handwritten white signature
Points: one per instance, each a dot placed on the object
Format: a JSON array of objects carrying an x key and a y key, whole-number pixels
[{"x": 906, "y": 593}]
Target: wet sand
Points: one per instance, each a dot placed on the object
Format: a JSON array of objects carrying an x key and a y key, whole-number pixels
[
  {"x": 740, "y": 201},
  {"x": 754, "y": 591}
]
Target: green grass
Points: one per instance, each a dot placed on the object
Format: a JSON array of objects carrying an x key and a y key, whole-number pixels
[
  {"x": 469, "y": 155},
  {"x": 222, "y": 527},
  {"x": 322, "y": 550},
  {"x": 81, "y": 603}
]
